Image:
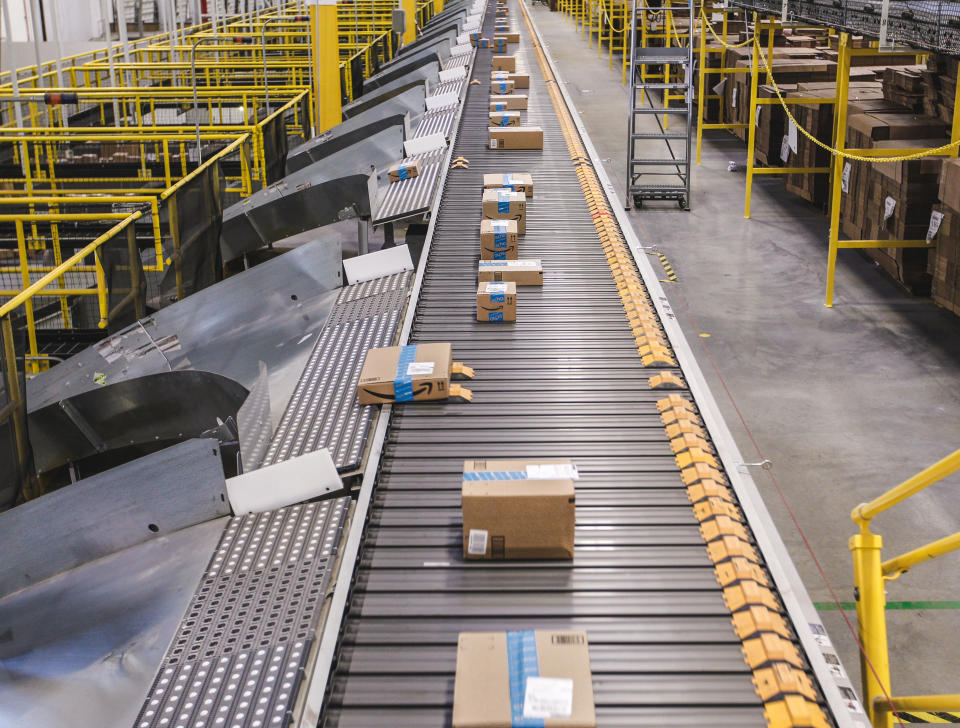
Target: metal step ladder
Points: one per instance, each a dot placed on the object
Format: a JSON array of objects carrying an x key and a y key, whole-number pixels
[{"x": 661, "y": 89}]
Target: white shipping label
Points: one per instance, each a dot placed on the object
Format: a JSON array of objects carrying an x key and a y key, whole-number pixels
[
  {"x": 548, "y": 697},
  {"x": 792, "y": 136},
  {"x": 756, "y": 121},
  {"x": 845, "y": 178},
  {"x": 559, "y": 471},
  {"x": 493, "y": 143},
  {"x": 785, "y": 149},
  {"x": 522, "y": 263},
  {"x": 935, "y": 219},
  {"x": 733, "y": 101},
  {"x": 496, "y": 288},
  {"x": 477, "y": 542},
  {"x": 419, "y": 367},
  {"x": 888, "y": 206},
  {"x": 718, "y": 88}
]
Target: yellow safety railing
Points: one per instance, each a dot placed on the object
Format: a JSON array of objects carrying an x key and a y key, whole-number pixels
[
  {"x": 870, "y": 574},
  {"x": 74, "y": 276}
]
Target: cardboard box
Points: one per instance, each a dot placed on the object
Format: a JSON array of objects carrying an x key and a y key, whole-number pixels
[
  {"x": 561, "y": 693},
  {"x": 521, "y": 272},
  {"x": 516, "y": 137},
  {"x": 501, "y": 87},
  {"x": 506, "y": 35},
  {"x": 949, "y": 184},
  {"x": 503, "y": 204},
  {"x": 505, "y": 118},
  {"x": 508, "y": 102},
  {"x": 404, "y": 170},
  {"x": 504, "y": 63},
  {"x": 405, "y": 374},
  {"x": 498, "y": 234},
  {"x": 496, "y": 302},
  {"x": 516, "y": 181},
  {"x": 879, "y": 127},
  {"x": 499, "y": 45},
  {"x": 518, "y": 509},
  {"x": 520, "y": 80}
]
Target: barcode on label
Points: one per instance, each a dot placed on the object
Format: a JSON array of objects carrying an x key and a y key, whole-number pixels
[
  {"x": 567, "y": 639},
  {"x": 419, "y": 367},
  {"x": 477, "y": 542}
]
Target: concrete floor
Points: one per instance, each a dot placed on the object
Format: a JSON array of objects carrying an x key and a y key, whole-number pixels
[{"x": 846, "y": 402}]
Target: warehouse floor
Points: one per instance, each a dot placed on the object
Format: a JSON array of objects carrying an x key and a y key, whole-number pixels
[{"x": 846, "y": 402}]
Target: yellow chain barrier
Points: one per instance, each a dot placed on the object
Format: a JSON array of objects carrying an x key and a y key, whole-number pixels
[{"x": 945, "y": 149}]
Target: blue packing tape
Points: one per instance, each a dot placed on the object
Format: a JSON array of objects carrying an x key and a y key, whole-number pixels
[
  {"x": 508, "y": 180},
  {"x": 488, "y": 475},
  {"x": 403, "y": 382},
  {"x": 498, "y": 297},
  {"x": 504, "y": 121},
  {"x": 522, "y": 663},
  {"x": 503, "y": 201},
  {"x": 499, "y": 255},
  {"x": 499, "y": 240},
  {"x": 402, "y": 172},
  {"x": 497, "y": 316},
  {"x": 499, "y": 107},
  {"x": 503, "y": 87}
]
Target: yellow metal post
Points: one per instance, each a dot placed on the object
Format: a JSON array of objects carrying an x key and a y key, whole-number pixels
[
  {"x": 409, "y": 8},
  {"x": 437, "y": 7},
  {"x": 326, "y": 63},
  {"x": 701, "y": 99},
  {"x": 839, "y": 142},
  {"x": 752, "y": 122},
  {"x": 871, "y": 619}
]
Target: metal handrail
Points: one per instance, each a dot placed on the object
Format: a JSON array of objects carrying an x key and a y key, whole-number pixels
[{"x": 870, "y": 575}]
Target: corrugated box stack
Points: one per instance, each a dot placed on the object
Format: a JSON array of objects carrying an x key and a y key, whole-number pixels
[{"x": 945, "y": 258}]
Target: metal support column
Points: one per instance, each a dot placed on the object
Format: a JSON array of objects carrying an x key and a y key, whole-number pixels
[
  {"x": 409, "y": 8},
  {"x": 326, "y": 63}
]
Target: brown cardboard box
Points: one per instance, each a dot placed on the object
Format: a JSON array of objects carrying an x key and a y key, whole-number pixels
[
  {"x": 498, "y": 235},
  {"x": 501, "y": 87},
  {"x": 949, "y": 184},
  {"x": 505, "y": 118},
  {"x": 425, "y": 367},
  {"x": 522, "y": 272},
  {"x": 497, "y": 302},
  {"x": 516, "y": 181},
  {"x": 517, "y": 137},
  {"x": 504, "y": 63},
  {"x": 520, "y": 80},
  {"x": 518, "y": 509},
  {"x": 404, "y": 170},
  {"x": 945, "y": 265},
  {"x": 507, "y": 36},
  {"x": 879, "y": 127},
  {"x": 561, "y": 692},
  {"x": 501, "y": 204},
  {"x": 508, "y": 102}
]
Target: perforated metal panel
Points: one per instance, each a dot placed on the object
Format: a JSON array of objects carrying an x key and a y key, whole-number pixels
[
  {"x": 323, "y": 411},
  {"x": 237, "y": 659}
]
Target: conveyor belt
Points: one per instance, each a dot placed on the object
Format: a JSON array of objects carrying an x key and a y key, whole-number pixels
[{"x": 564, "y": 381}]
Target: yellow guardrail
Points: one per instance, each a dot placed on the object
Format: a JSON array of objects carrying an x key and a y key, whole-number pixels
[
  {"x": 870, "y": 574},
  {"x": 36, "y": 278}
]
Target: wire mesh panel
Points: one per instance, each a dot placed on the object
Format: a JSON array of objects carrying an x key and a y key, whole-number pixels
[
  {"x": 16, "y": 459},
  {"x": 275, "y": 148},
  {"x": 194, "y": 217},
  {"x": 928, "y": 24}
]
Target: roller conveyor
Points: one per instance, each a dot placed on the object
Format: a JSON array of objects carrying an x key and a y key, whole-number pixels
[{"x": 564, "y": 381}]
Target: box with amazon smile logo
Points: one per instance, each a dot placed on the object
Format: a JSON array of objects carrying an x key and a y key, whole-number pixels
[{"x": 405, "y": 374}]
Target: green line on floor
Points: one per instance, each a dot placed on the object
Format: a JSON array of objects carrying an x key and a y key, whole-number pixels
[{"x": 851, "y": 606}]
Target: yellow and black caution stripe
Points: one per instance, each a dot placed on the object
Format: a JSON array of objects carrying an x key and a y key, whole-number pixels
[
  {"x": 667, "y": 268},
  {"x": 917, "y": 716},
  {"x": 788, "y": 694}
]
